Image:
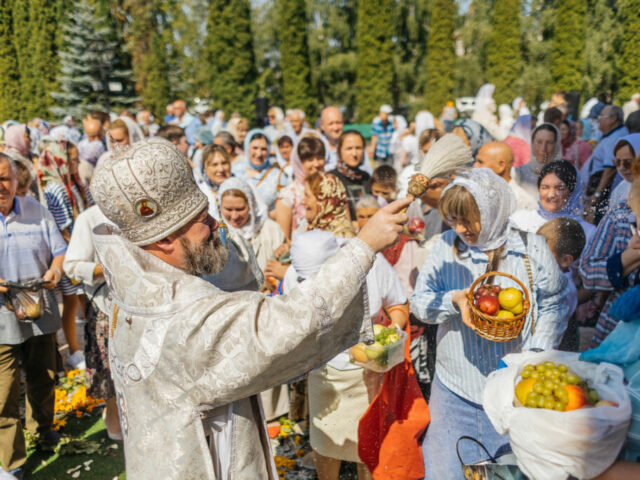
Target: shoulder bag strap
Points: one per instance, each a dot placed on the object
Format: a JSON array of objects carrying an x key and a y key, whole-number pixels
[
  {"x": 266, "y": 174},
  {"x": 527, "y": 264}
]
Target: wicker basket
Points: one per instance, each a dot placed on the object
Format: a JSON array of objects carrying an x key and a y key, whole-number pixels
[{"x": 498, "y": 329}]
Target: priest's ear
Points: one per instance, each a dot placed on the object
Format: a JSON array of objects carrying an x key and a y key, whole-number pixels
[{"x": 168, "y": 249}]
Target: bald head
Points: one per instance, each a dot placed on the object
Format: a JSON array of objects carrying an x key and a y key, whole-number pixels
[
  {"x": 179, "y": 108},
  {"x": 93, "y": 129},
  {"x": 496, "y": 156},
  {"x": 332, "y": 123}
]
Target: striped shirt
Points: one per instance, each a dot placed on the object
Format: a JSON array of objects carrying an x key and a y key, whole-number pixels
[
  {"x": 29, "y": 240},
  {"x": 463, "y": 358},
  {"x": 601, "y": 264},
  {"x": 383, "y": 134},
  {"x": 59, "y": 204}
]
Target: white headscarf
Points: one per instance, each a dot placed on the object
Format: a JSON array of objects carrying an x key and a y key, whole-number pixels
[
  {"x": 557, "y": 149},
  {"x": 496, "y": 202},
  {"x": 424, "y": 121},
  {"x": 257, "y": 216}
]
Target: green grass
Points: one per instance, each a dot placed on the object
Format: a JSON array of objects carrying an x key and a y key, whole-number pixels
[{"x": 109, "y": 463}]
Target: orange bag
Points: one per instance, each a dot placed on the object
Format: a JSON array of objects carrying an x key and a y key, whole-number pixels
[{"x": 390, "y": 430}]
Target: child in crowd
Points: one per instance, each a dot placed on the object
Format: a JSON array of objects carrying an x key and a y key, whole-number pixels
[
  {"x": 24, "y": 180},
  {"x": 566, "y": 240},
  {"x": 366, "y": 207},
  {"x": 384, "y": 183}
]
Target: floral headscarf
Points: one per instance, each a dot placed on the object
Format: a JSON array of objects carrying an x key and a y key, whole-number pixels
[
  {"x": 53, "y": 166},
  {"x": 14, "y": 139},
  {"x": 352, "y": 173},
  {"x": 333, "y": 206}
]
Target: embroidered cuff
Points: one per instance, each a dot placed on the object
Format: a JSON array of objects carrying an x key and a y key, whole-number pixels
[{"x": 614, "y": 271}]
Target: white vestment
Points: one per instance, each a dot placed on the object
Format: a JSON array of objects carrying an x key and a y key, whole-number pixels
[{"x": 186, "y": 356}]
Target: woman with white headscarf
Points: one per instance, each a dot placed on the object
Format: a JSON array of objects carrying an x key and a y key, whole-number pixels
[
  {"x": 560, "y": 197},
  {"x": 340, "y": 392},
  {"x": 244, "y": 217},
  {"x": 477, "y": 205},
  {"x": 545, "y": 148}
]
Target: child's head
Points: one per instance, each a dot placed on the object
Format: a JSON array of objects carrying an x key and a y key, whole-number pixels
[
  {"x": 384, "y": 182},
  {"x": 566, "y": 240},
  {"x": 24, "y": 180},
  {"x": 366, "y": 207}
]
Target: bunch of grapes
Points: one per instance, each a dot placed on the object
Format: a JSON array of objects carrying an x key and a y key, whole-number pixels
[{"x": 548, "y": 390}]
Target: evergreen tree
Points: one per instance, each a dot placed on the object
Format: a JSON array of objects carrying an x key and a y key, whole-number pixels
[
  {"x": 440, "y": 58},
  {"x": 599, "y": 75},
  {"x": 231, "y": 60},
  {"x": 374, "y": 67},
  {"x": 21, "y": 34},
  {"x": 410, "y": 42},
  {"x": 157, "y": 93},
  {"x": 504, "y": 59},
  {"x": 9, "y": 79},
  {"x": 567, "y": 58},
  {"x": 267, "y": 51},
  {"x": 294, "y": 55},
  {"x": 627, "y": 62},
  {"x": 475, "y": 30},
  {"x": 87, "y": 79},
  {"x": 535, "y": 82}
]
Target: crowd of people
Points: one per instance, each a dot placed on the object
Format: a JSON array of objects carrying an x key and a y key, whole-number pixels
[{"x": 115, "y": 217}]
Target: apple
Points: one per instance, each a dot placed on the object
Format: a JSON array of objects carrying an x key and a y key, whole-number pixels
[
  {"x": 416, "y": 225},
  {"x": 359, "y": 354},
  {"x": 577, "y": 398},
  {"x": 488, "y": 304},
  {"x": 486, "y": 290}
]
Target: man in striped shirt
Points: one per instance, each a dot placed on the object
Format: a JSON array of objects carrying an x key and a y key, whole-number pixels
[{"x": 31, "y": 247}]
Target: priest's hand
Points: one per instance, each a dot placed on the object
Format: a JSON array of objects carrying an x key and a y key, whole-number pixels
[{"x": 384, "y": 227}]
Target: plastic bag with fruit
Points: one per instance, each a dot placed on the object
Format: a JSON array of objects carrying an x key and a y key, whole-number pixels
[
  {"x": 26, "y": 299},
  {"x": 563, "y": 416}
]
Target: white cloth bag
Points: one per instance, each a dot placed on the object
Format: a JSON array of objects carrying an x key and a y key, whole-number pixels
[{"x": 551, "y": 445}]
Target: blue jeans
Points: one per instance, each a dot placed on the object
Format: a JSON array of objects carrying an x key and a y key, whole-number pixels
[{"x": 452, "y": 417}]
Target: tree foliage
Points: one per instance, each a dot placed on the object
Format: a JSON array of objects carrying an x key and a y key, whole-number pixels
[
  {"x": 504, "y": 58},
  {"x": 230, "y": 57},
  {"x": 87, "y": 79},
  {"x": 475, "y": 29},
  {"x": 374, "y": 60},
  {"x": 9, "y": 75},
  {"x": 567, "y": 58},
  {"x": 294, "y": 55},
  {"x": 440, "y": 59},
  {"x": 628, "y": 62},
  {"x": 599, "y": 76}
]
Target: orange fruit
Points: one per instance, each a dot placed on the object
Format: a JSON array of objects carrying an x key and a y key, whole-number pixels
[
  {"x": 524, "y": 388},
  {"x": 577, "y": 397}
]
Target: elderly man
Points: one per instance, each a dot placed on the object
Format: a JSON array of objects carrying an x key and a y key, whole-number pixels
[
  {"x": 498, "y": 157},
  {"x": 31, "y": 247},
  {"x": 295, "y": 118},
  {"x": 145, "y": 120},
  {"x": 182, "y": 118},
  {"x": 187, "y": 358},
  {"x": 598, "y": 175},
  {"x": 382, "y": 131}
]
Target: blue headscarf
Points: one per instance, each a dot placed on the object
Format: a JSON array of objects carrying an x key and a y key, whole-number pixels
[
  {"x": 247, "y": 141},
  {"x": 573, "y": 207}
]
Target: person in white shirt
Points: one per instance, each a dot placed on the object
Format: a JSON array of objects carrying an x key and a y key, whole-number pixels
[
  {"x": 498, "y": 157},
  {"x": 339, "y": 391}
]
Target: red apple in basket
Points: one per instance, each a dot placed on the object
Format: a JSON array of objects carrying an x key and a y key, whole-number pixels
[
  {"x": 415, "y": 225},
  {"x": 486, "y": 291},
  {"x": 488, "y": 304}
]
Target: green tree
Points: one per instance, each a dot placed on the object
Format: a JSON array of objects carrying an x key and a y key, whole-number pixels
[
  {"x": 374, "y": 61},
  {"x": 627, "y": 62},
  {"x": 267, "y": 51},
  {"x": 9, "y": 79},
  {"x": 537, "y": 23},
  {"x": 230, "y": 56},
  {"x": 440, "y": 59},
  {"x": 410, "y": 41},
  {"x": 87, "y": 77},
  {"x": 475, "y": 29},
  {"x": 294, "y": 55},
  {"x": 504, "y": 59},
  {"x": 567, "y": 56},
  {"x": 157, "y": 94},
  {"x": 600, "y": 50},
  {"x": 21, "y": 34}
]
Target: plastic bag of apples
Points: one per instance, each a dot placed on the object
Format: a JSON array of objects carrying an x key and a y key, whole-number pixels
[{"x": 551, "y": 442}]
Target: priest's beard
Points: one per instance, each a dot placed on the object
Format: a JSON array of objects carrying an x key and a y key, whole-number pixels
[{"x": 210, "y": 257}]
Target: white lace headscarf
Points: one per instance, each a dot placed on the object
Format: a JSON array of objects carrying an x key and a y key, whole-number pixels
[
  {"x": 257, "y": 216},
  {"x": 496, "y": 202}
]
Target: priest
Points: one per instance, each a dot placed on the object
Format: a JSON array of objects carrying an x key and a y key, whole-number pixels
[{"x": 187, "y": 358}]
